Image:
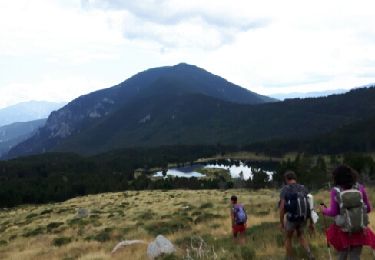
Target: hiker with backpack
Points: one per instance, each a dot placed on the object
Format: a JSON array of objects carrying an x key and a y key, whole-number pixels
[
  {"x": 349, "y": 205},
  {"x": 239, "y": 220},
  {"x": 294, "y": 213}
]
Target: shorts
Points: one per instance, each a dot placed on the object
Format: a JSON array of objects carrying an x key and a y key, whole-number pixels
[
  {"x": 238, "y": 229},
  {"x": 291, "y": 226}
]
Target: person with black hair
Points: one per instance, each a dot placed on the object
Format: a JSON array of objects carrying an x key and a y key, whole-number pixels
[
  {"x": 349, "y": 205},
  {"x": 239, "y": 220},
  {"x": 294, "y": 212}
]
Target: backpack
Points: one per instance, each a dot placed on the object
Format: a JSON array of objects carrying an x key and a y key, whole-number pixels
[
  {"x": 353, "y": 213},
  {"x": 240, "y": 216},
  {"x": 296, "y": 204}
]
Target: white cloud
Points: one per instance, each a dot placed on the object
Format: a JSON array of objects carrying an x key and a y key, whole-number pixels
[
  {"x": 57, "y": 89},
  {"x": 266, "y": 46},
  {"x": 179, "y": 23}
]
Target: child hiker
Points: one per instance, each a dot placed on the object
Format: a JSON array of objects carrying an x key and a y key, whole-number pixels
[{"x": 239, "y": 220}]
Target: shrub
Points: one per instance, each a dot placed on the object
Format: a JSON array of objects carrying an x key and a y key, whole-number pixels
[
  {"x": 46, "y": 211},
  {"x": 207, "y": 205},
  {"x": 32, "y": 215},
  {"x": 102, "y": 236},
  {"x": 78, "y": 222},
  {"x": 54, "y": 225},
  {"x": 205, "y": 216},
  {"x": 169, "y": 227},
  {"x": 63, "y": 210},
  {"x": 60, "y": 241},
  {"x": 146, "y": 215},
  {"x": 34, "y": 232}
]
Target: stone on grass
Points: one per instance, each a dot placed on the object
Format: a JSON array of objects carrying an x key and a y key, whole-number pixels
[
  {"x": 126, "y": 243},
  {"x": 161, "y": 245},
  {"x": 82, "y": 213}
]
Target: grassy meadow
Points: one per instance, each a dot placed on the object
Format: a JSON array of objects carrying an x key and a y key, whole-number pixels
[{"x": 197, "y": 222}]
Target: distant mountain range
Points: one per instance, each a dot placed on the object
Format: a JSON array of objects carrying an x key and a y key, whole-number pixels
[
  {"x": 290, "y": 95},
  {"x": 186, "y": 105},
  {"x": 27, "y": 111},
  {"x": 283, "y": 96},
  {"x": 13, "y": 134}
]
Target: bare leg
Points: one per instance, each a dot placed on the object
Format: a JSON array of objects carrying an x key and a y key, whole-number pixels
[
  {"x": 288, "y": 243},
  {"x": 304, "y": 243}
]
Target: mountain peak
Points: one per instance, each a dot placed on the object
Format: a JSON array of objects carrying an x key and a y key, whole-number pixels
[
  {"x": 182, "y": 81},
  {"x": 184, "y": 64}
]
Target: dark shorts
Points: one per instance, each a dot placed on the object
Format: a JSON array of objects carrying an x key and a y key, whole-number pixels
[
  {"x": 291, "y": 226},
  {"x": 238, "y": 229}
]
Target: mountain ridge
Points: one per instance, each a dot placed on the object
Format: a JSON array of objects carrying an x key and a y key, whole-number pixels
[
  {"x": 182, "y": 79},
  {"x": 168, "y": 110},
  {"x": 15, "y": 133},
  {"x": 27, "y": 111}
]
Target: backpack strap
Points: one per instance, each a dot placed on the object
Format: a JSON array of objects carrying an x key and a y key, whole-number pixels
[{"x": 338, "y": 196}]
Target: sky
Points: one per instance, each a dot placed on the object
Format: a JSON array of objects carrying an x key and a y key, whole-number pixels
[{"x": 58, "y": 50}]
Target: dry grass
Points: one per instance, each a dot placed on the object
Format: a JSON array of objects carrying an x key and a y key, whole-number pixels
[{"x": 52, "y": 231}]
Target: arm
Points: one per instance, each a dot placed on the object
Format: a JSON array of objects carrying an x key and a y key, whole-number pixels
[
  {"x": 232, "y": 216},
  {"x": 365, "y": 198},
  {"x": 333, "y": 209},
  {"x": 282, "y": 212}
]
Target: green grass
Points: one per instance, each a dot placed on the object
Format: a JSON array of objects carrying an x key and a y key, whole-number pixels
[{"x": 188, "y": 218}]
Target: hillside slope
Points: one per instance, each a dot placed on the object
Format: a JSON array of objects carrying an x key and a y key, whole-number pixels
[
  {"x": 174, "y": 119},
  {"x": 54, "y": 231},
  {"x": 13, "y": 134},
  {"x": 86, "y": 111}
]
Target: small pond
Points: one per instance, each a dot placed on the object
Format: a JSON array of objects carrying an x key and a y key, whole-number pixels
[{"x": 234, "y": 167}]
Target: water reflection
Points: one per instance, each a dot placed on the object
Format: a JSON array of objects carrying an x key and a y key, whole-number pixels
[{"x": 235, "y": 170}]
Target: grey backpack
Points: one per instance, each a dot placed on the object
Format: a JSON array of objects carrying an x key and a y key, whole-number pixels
[{"x": 353, "y": 212}]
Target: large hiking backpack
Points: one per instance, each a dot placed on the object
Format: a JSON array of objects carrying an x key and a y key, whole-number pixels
[
  {"x": 240, "y": 216},
  {"x": 353, "y": 213},
  {"x": 296, "y": 204}
]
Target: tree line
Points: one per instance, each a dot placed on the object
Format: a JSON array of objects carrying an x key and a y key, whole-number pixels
[{"x": 54, "y": 177}]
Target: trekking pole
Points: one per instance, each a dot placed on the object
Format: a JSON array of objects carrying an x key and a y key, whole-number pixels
[{"x": 325, "y": 231}]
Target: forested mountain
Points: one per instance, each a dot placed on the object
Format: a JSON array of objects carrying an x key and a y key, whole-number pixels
[
  {"x": 86, "y": 111},
  {"x": 176, "y": 110},
  {"x": 13, "y": 134},
  {"x": 27, "y": 111},
  {"x": 355, "y": 137}
]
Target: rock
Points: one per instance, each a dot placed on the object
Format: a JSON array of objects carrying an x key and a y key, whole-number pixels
[
  {"x": 82, "y": 213},
  {"x": 126, "y": 243},
  {"x": 161, "y": 245},
  {"x": 153, "y": 250}
]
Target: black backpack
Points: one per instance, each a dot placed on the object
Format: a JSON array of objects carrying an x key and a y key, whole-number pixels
[{"x": 296, "y": 204}]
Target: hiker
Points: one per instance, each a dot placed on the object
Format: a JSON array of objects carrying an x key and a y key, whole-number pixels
[
  {"x": 294, "y": 213},
  {"x": 349, "y": 205},
  {"x": 239, "y": 220}
]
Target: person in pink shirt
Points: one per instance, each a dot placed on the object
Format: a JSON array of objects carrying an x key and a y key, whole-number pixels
[{"x": 348, "y": 245}]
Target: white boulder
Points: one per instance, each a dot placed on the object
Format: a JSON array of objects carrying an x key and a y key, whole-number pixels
[{"x": 161, "y": 245}]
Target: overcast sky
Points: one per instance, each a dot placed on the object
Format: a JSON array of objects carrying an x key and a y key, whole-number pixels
[{"x": 57, "y": 50}]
